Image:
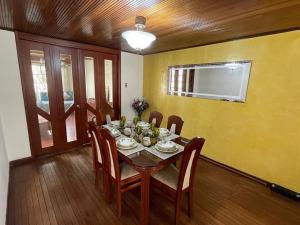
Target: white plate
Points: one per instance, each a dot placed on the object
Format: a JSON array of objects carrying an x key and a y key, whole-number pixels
[
  {"x": 166, "y": 151},
  {"x": 166, "y": 147},
  {"x": 128, "y": 148},
  {"x": 126, "y": 143}
]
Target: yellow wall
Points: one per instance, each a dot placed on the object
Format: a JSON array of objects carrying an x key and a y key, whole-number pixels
[{"x": 260, "y": 137}]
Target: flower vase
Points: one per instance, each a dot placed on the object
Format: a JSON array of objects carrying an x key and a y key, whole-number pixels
[{"x": 140, "y": 116}]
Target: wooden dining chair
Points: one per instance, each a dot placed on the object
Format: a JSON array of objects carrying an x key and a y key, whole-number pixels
[
  {"x": 174, "y": 183},
  {"x": 155, "y": 118},
  {"x": 98, "y": 152},
  {"x": 175, "y": 124},
  {"x": 123, "y": 176}
]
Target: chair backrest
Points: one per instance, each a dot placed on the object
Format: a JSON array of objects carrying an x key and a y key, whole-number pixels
[
  {"x": 189, "y": 162},
  {"x": 108, "y": 143},
  {"x": 155, "y": 118},
  {"x": 98, "y": 153},
  {"x": 175, "y": 124}
]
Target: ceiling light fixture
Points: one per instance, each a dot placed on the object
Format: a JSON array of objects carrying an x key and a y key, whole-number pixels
[{"x": 139, "y": 39}]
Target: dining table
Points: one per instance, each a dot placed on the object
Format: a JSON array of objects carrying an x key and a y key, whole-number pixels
[{"x": 147, "y": 161}]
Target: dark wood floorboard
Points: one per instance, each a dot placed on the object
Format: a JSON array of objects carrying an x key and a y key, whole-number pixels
[{"x": 60, "y": 190}]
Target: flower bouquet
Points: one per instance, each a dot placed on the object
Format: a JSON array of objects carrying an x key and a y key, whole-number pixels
[
  {"x": 138, "y": 134},
  {"x": 140, "y": 105},
  {"x": 154, "y": 135}
]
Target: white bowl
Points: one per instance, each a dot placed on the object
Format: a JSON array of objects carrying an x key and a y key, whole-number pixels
[
  {"x": 166, "y": 147},
  {"x": 126, "y": 142}
]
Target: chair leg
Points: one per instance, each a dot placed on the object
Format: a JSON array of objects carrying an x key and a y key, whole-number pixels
[
  {"x": 96, "y": 175},
  {"x": 190, "y": 203},
  {"x": 177, "y": 210},
  {"x": 108, "y": 188},
  {"x": 119, "y": 201}
]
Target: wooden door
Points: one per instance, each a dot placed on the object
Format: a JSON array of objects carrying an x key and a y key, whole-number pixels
[
  {"x": 110, "y": 84},
  {"x": 67, "y": 92},
  {"x": 64, "y": 86},
  {"x": 52, "y": 98},
  {"x": 89, "y": 80},
  {"x": 99, "y": 85}
]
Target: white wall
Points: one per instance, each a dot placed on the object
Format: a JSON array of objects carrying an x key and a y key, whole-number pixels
[
  {"x": 12, "y": 109},
  {"x": 4, "y": 174},
  {"x": 132, "y": 74}
]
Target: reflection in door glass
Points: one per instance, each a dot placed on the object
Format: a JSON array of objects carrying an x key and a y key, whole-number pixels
[
  {"x": 108, "y": 81},
  {"x": 67, "y": 80},
  {"x": 90, "y": 81},
  {"x": 71, "y": 127},
  {"x": 45, "y": 132},
  {"x": 39, "y": 76}
]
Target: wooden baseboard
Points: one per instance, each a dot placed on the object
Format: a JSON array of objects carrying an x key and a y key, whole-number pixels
[
  {"x": 22, "y": 161},
  {"x": 231, "y": 169},
  {"x": 33, "y": 158}
]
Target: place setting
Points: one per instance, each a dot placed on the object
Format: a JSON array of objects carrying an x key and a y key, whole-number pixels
[
  {"x": 128, "y": 146},
  {"x": 165, "y": 149}
]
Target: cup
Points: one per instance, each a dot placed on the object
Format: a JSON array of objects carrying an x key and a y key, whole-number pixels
[{"x": 146, "y": 141}]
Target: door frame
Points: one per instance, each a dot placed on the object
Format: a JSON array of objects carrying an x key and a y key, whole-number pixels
[{"x": 22, "y": 38}]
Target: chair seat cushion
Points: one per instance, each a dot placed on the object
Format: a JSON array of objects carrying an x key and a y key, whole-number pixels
[
  {"x": 127, "y": 171},
  {"x": 168, "y": 176}
]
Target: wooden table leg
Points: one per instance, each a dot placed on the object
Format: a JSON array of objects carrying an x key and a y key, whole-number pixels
[{"x": 145, "y": 197}]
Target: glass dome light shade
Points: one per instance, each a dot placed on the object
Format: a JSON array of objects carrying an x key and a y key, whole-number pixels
[{"x": 138, "y": 39}]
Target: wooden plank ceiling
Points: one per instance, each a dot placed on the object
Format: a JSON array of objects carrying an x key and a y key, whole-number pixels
[{"x": 176, "y": 23}]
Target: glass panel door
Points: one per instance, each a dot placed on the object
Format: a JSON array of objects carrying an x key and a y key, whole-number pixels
[
  {"x": 67, "y": 80},
  {"x": 68, "y": 100},
  {"x": 45, "y": 128},
  {"x": 63, "y": 89},
  {"x": 89, "y": 72},
  {"x": 52, "y": 99},
  {"x": 39, "y": 76},
  {"x": 110, "y": 91},
  {"x": 90, "y": 62},
  {"x": 38, "y": 82},
  {"x": 108, "y": 75}
]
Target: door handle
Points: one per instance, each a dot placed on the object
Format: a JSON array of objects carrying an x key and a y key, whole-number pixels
[{"x": 77, "y": 106}]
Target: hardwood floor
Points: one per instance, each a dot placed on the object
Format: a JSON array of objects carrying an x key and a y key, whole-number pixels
[{"x": 60, "y": 190}]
